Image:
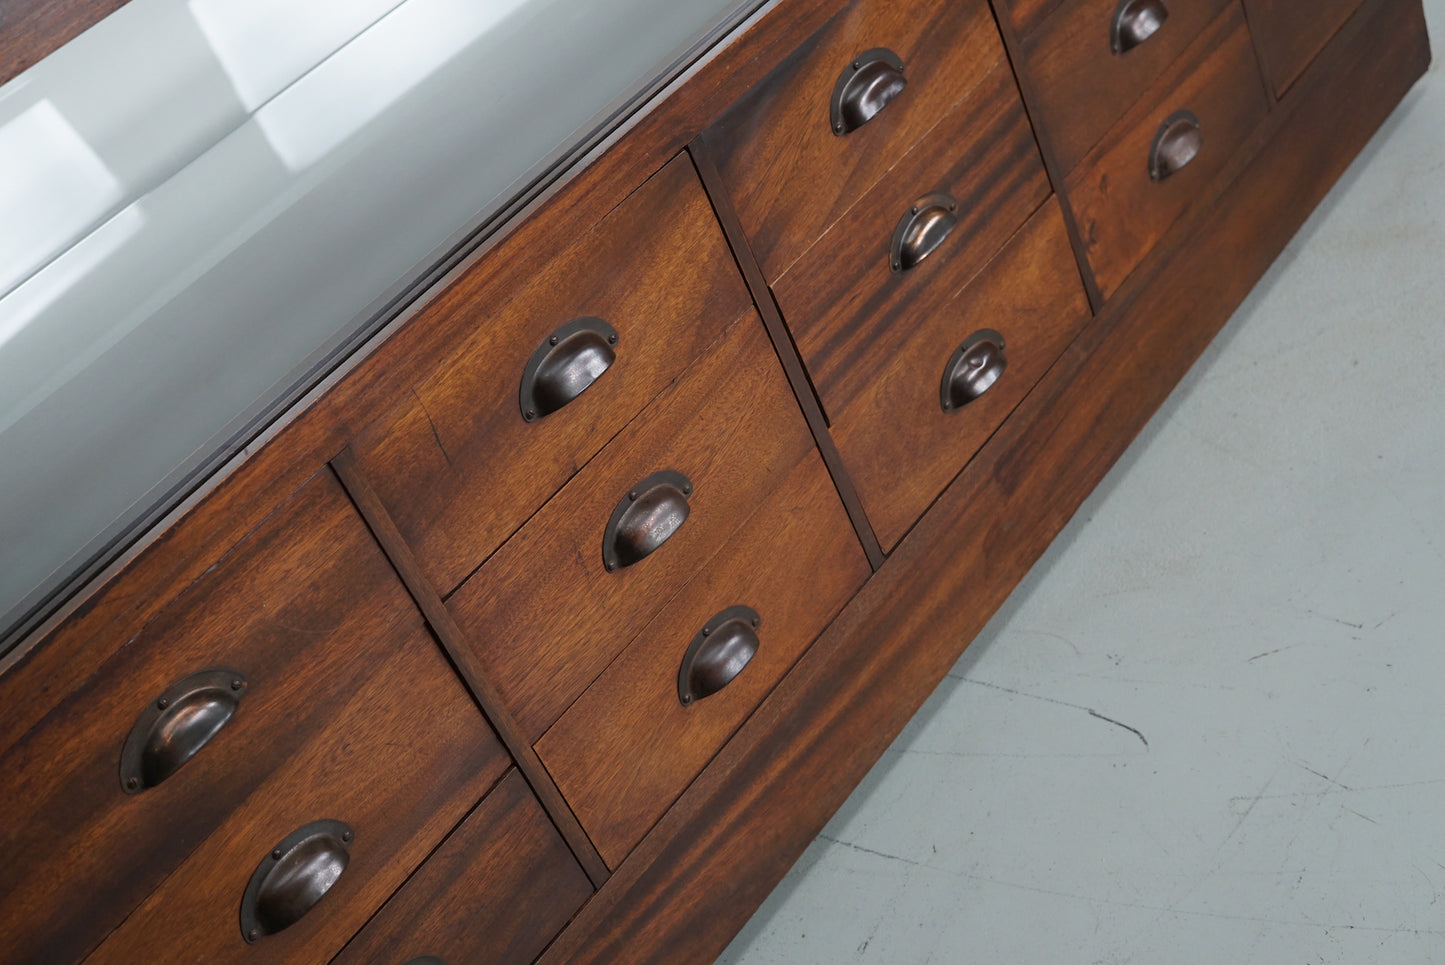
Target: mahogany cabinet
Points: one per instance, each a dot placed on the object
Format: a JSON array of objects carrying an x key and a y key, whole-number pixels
[{"x": 556, "y": 628}]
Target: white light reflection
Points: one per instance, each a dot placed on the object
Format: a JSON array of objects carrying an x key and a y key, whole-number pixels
[
  {"x": 25, "y": 304},
  {"x": 265, "y": 45},
  {"x": 53, "y": 186},
  {"x": 372, "y": 72}
]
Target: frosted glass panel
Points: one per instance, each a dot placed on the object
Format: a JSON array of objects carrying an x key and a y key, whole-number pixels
[{"x": 199, "y": 199}]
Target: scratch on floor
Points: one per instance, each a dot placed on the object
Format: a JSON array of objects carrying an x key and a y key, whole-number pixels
[
  {"x": 1323, "y": 777},
  {"x": 1119, "y": 723},
  {"x": 1343, "y": 623},
  {"x": 1270, "y": 653},
  {"x": 879, "y": 854},
  {"x": 1062, "y": 703}
]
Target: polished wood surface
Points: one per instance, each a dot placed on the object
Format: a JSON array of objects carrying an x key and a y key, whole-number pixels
[
  {"x": 898, "y": 443},
  {"x": 1044, "y": 460},
  {"x": 496, "y": 891},
  {"x": 1122, "y": 213},
  {"x": 1289, "y": 33},
  {"x": 790, "y": 177},
  {"x": 1026, "y": 16},
  {"x": 458, "y": 466},
  {"x": 454, "y": 644},
  {"x": 301, "y": 608},
  {"x": 845, "y": 306},
  {"x": 625, "y": 750},
  {"x": 405, "y": 754},
  {"x": 702, "y": 860},
  {"x": 1082, "y": 87},
  {"x": 544, "y": 616}
]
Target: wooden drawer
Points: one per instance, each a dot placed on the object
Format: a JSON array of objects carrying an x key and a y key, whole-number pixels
[
  {"x": 845, "y": 304},
  {"x": 1289, "y": 33},
  {"x": 1025, "y": 17},
  {"x": 1120, "y": 208},
  {"x": 900, "y": 446},
  {"x": 787, "y": 173},
  {"x": 338, "y": 671},
  {"x": 629, "y": 746},
  {"x": 456, "y": 462},
  {"x": 1082, "y": 82},
  {"x": 544, "y": 615},
  {"x": 496, "y": 891}
]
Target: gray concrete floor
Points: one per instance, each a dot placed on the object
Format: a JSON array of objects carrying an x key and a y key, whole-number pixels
[{"x": 1208, "y": 727}]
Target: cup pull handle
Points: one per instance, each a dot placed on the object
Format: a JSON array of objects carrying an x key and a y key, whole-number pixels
[
  {"x": 719, "y": 652},
  {"x": 565, "y": 365},
  {"x": 645, "y": 518},
  {"x": 293, "y": 877},
  {"x": 923, "y": 227},
  {"x": 1175, "y": 145},
  {"x": 972, "y": 369},
  {"x": 867, "y": 85},
  {"x": 177, "y": 724},
  {"x": 1135, "y": 21}
]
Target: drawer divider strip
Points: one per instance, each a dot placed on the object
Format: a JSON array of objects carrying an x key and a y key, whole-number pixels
[{"x": 358, "y": 487}]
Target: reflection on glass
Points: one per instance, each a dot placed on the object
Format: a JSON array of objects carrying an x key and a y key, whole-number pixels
[
  {"x": 52, "y": 187},
  {"x": 264, "y": 45},
  {"x": 370, "y": 74},
  {"x": 286, "y": 170}
]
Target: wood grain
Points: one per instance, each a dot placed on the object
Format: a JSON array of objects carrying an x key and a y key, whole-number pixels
[
  {"x": 458, "y": 467},
  {"x": 897, "y": 442},
  {"x": 311, "y": 613},
  {"x": 787, "y": 352},
  {"x": 496, "y": 891},
  {"x": 453, "y": 642},
  {"x": 1024, "y": 17},
  {"x": 1082, "y": 87},
  {"x": 305, "y": 608},
  {"x": 235, "y": 500},
  {"x": 857, "y": 686},
  {"x": 845, "y": 306},
  {"x": 790, "y": 177},
  {"x": 625, "y": 750},
  {"x": 1121, "y": 213},
  {"x": 1289, "y": 33},
  {"x": 543, "y": 616}
]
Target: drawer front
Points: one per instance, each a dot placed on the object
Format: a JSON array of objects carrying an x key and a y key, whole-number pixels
[
  {"x": 545, "y": 615},
  {"x": 843, "y": 301},
  {"x": 1289, "y": 33},
  {"x": 457, "y": 463},
  {"x": 629, "y": 746},
  {"x": 900, "y": 446},
  {"x": 1121, "y": 209},
  {"x": 1025, "y": 17},
  {"x": 788, "y": 174},
  {"x": 333, "y": 658},
  {"x": 1093, "y": 59},
  {"x": 497, "y": 891}
]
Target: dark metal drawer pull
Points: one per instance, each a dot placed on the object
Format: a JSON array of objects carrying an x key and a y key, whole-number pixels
[
  {"x": 921, "y": 230},
  {"x": 1177, "y": 143},
  {"x": 565, "y": 365},
  {"x": 718, "y": 653},
  {"x": 646, "y": 518},
  {"x": 426, "y": 960},
  {"x": 866, "y": 86},
  {"x": 176, "y": 725},
  {"x": 1135, "y": 21},
  {"x": 972, "y": 369},
  {"x": 294, "y": 877}
]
